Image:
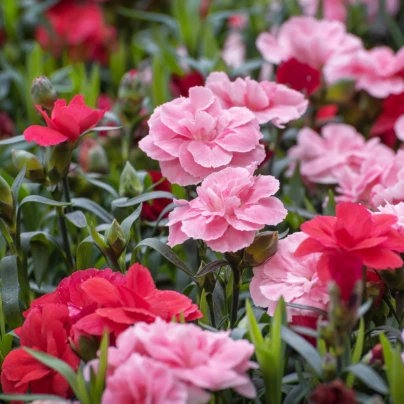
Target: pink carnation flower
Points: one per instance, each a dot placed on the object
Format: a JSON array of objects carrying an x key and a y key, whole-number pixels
[
  {"x": 395, "y": 210},
  {"x": 324, "y": 158},
  {"x": 268, "y": 101},
  {"x": 194, "y": 137},
  {"x": 377, "y": 71},
  {"x": 311, "y": 41},
  {"x": 199, "y": 359},
  {"x": 294, "y": 278},
  {"x": 232, "y": 205},
  {"x": 143, "y": 380},
  {"x": 234, "y": 49},
  {"x": 391, "y": 185}
]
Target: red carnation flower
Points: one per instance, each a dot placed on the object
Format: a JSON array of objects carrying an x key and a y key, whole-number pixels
[
  {"x": 180, "y": 85},
  {"x": 122, "y": 305},
  {"x": 350, "y": 240},
  {"x": 43, "y": 330},
  {"x": 67, "y": 122},
  {"x": 299, "y": 76}
]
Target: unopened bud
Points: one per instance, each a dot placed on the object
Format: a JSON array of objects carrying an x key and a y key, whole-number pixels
[
  {"x": 130, "y": 184},
  {"x": 6, "y": 200},
  {"x": 375, "y": 356},
  {"x": 263, "y": 248},
  {"x": 115, "y": 238},
  {"x": 92, "y": 157},
  {"x": 131, "y": 93},
  {"x": 43, "y": 93},
  {"x": 35, "y": 171}
]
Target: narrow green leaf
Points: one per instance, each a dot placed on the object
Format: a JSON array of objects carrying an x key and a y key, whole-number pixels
[
  {"x": 125, "y": 203},
  {"x": 212, "y": 266},
  {"x": 94, "y": 208},
  {"x": 149, "y": 16},
  {"x": 30, "y": 397},
  {"x": 102, "y": 185},
  {"x": 15, "y": 188},
  {"x": 77, "y": 218},
  {"x": 160, "y": 92},
  {"x": 42, "y": 200},
  {"x": 102, "y": 369},
  {"x": 84, "y": 254},
  {"x": 100, "y": 129},
  {"x": 368, "y": 376},
  {"x": 304, "y": 348},
  {"x": 40, "y": 258},
  {"x": 254, "y": 331},
  {"x": 329, "y": 210},
  {"x": 166, "y": 252},
  {"x": 10, "y": 290},
  {"x": 203, "y": 306},
  {"x": 58, "y": 365},
  {"x": 128, "y": 222},
  {"x": 357, "y": 352}
]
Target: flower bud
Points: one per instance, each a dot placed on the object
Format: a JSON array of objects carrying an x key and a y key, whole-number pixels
[
  {"x": 6, "y": 201},
  {"x": 130, "y": 184},
  {"x": 92, "y": 157},
  {"x": 375, "y": 357},
  {"x": 35, "y": 170},
  {"x": 329, "y": 366},
  {"x": 263, "y": 248},
  {"x": 115, "y": 238},
  {"x": 43, "y": 93},
  {"x": 131, "y": 93},
  {"x": 59, "y": 161}
]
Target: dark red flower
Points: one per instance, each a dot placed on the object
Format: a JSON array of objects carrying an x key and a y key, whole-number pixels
[
  {"x": 180, "y": 85},
  {"x": 299, "y": 76},
  {"x": 350, "y": 240},
  {"x": 79, "y": 27},
  {"x": 66, "y": 123},
  {"x": 151, "y": 211},
  {"x": 43, "y": 330},
  {"x": 326, "y": 113},
  {"x": 6, "y": 126},
  {"x": 393, "y": 108},
  {"x": 334, "y": 392},
  {"x": 104, "y": 102},
  {"x": 122, "y": 305}
]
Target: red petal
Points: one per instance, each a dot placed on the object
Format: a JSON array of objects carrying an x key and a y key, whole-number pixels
[
  {"x": 43, "y": 135},
  {"x": 379, "y": 258},
  {"x": 309, "y": 246},
  {"x": 140, "y": 280},
  {"x": 101, "y": 291}
]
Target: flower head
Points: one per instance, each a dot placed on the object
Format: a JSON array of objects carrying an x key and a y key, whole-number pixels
[
  {"x": 232, "y": 205},
  {"x": 194, "y": 137},
  {"x": 66, "y": 123},
  {"x": 295, "y": 279},
  {"x": 270, "y": 102}
]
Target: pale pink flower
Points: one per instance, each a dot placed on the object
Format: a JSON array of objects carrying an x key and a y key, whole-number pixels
[
  {"x": 294, "y": 278},
  {"x": 323, "y": 158},
  {"x": 378, "y": 71},
  {"x": 232, "y": 205},
  {"x": 142, "y": 380},
  {"x": 391, "y": 185},
  {"x": 311, "y": 41},
  {"x": 194, "y": 137},
  {"x": 198, "y": 358},
  {"x": 267, "y": 100},
  {"x": 234, "y": 49},
  {"x": 395, "y": 210},
  {"x": 399, "y": 128}
]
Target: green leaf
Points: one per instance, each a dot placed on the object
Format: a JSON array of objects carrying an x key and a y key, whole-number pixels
[
  {"x": 30, "y": 397},
  {"x": 10, "y": 290},
  {"x": 94, "y": 208},
  {"x": 304, "y": 348},
  {"x": 84, "y": 254},
  {"x": 43, "y": 201},
  {"x": 160, "y": 92},
  {"x": 128, "y": 222},
  {"x": 102, "y": 370},
  {"x": 309, "y": 308},
  {"x": 253, "y": 329},
  {"x": 357, "y": 352},
  {"x": 329, "y": 210},
  {"x": 212, "y": 266},
  {"x": 12, "y": 140},
  {"x": 58, "y": 365},
  {"x": 125, "y": 203},
  {"x": 98, "y": 238},
  {"x": 40, "y": 258},
  {"x": 77, "y": 218},
  {"x": 167, "y": 253},
  {"x": 100, "y": 129},
  {"x": 203, "y": 306},
  {"x": 102, "y": 185},
  {"x": 15, "y": 188},
  {"x": 149, "y": 16},
  {"x": 368, "y": 376}
]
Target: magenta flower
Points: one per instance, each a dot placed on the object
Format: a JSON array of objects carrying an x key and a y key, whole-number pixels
[
  {"x": 199, "y": 359},
  {"x": 270, "y": 102},
  {"x": 67, "y": 122},
  {"x": 311, "y": 41},
  {"x": 377, "y": 71},
  {"x": 294, "y": 278},
  {"x": 194, "y": 137},
  {"x": 231, "y": 207}
]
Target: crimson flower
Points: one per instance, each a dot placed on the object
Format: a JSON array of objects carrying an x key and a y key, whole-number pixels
[
  {"x": 43, "y": 330},
  {"x": 350, "y": 240},
  {"x": 151, "y": 211},
  {"x": 66, "y": 123},
  {"x": 121, "y": 305},
  {"x": 299, "y": 76},
  {"x": 180, "y": 85}
]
